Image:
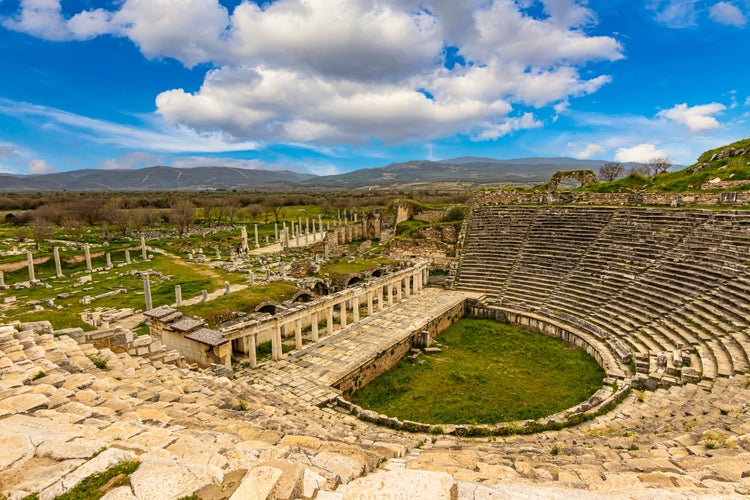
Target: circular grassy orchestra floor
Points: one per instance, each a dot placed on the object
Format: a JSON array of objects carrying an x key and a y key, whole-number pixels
[{"x": 487, "y": 372}]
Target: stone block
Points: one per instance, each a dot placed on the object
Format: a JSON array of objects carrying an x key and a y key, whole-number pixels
[
  {"x": 420, "y": 485},
  {"x": 259, "y": 483},
  {"x": 142, "y": 340}
]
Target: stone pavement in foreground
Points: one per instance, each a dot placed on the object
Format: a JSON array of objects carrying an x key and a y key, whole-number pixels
[{"x": 309, "y": 372}]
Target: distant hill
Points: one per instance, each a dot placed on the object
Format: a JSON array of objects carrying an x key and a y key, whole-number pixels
[
  {"x": 465, "y": 172},
  {"x": 152, "y": 179},
  {"x": 468, "y": 170}
]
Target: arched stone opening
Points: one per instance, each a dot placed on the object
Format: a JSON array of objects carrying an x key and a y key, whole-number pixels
[
  {"x": 303, "y": 296},
  {"x": 267, "y": 307},
  {"x": 320, "y": 289},
  {"x": 584, "y": 177}
]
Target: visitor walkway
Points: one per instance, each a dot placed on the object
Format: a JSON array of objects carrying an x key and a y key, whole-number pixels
[{"x": 310, "y": 372}]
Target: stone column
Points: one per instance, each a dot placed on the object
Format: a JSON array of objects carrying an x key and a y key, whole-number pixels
[
  {"x": 127, "y": 256},
  {"x": 252, "y": 351},
  {"x": 178, "y": 296},
  {"x": 390, "y": 294},
  {"x": 226, "y": 288},
  {"x": 218, "y": 254},
  {"x": 251, "y": 277},
  {"x": 298, "y": 334},
  {"x": 147, "y": 292},
  {"x": 342, "y": 314},
  {"x": 329, "y": 320},
  {"x": 204, "y": 295},
  {"x": 109, "y": 260},
  {"x": 87, "y": 256},
  {"x": 307, "y": 235},
  {"x": 398, "y": 291},
  {"x": 276, "y": 232},
  {"x": 243, "y": 236},
  {"x": 314, "y": 326},
  {"x": 282, "y": 266},
  {"x": 355, "y": 309},
  {"x": 276, "y": 351},
  {"x": 407, "y": 287},
  {"x": 257, "y": 243},
  {"x": 286, "y": 239},
  {"x": 144, "y": 255},
  {"x": 2, "y": 280},
  {"x": 30, "y": 264},
  {"x": 369, "y": 303},
  {"x": 381, "y": 304},
  {"x": 326, "y": 249},
  {"x": 58, "y": 264}
]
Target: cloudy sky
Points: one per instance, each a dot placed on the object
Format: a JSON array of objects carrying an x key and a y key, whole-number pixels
[{"x": 326, "y": 86}]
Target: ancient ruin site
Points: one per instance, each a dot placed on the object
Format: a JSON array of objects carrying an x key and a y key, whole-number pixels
[{"x": 214, "y": 353}]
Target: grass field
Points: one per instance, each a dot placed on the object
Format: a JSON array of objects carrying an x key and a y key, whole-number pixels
[{"x": 488, "y": 372}]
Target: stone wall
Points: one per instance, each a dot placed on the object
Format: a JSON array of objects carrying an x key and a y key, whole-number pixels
[
  {"x": 441, "y": 254},
  {"x": 494, "y": 197},
  {"x": 197, "y": 352},
  {"x": 384, "y": 361},
  {"x": 430, "y": 216}
]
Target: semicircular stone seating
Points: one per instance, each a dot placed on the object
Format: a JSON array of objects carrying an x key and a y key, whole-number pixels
[
  {"x": 668, "y": 285},
  {"x": 646, "y": 282}
]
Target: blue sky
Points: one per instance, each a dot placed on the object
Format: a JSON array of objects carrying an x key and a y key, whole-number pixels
[{"x": 327, "y": 86}]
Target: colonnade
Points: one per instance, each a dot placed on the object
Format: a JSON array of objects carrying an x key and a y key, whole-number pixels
[{"x": 320, "y": 314}]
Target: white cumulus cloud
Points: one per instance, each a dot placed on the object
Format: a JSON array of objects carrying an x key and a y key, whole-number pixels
[
  {"x": 352, "y": 71},
  {"x": 696, "y": 118},
  {"x": 40, "y": 167},
  {"x": 589, "y": 150},
  {"x": 641, "y": 153},
  {"x": 726, "y": 13}
]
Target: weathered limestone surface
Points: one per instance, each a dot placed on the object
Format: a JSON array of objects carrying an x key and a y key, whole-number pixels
[{"x": 264, "y": 433}]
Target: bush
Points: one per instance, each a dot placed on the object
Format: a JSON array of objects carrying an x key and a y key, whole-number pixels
[{"x": 455, "y": 214}]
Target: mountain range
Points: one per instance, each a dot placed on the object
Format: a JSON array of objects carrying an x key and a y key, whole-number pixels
[{"x": 465, "y": 171}]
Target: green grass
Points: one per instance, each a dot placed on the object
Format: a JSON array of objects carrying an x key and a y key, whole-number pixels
[
  {"x": 191, "y": 277},
  {"x": 487, "y": 373},
  {"x": 406, "y": 227},
  {"x": 89, "y": 488},
  {"x": 245, "y": 300},
  {"x": 688, "y": 179},
  {"x": 342, "y": 267}
]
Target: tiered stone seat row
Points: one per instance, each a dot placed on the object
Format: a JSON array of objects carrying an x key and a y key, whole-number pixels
[
  {"x": 62, "y": 419},
  {"x": 657, "y": 280}
]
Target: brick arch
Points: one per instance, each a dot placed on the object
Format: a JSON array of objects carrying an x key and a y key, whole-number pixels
[{"x": 585, "y": 177}]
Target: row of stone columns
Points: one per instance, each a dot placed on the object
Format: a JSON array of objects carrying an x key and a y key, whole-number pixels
[
  {"x": 58, "y": 262},
  {"x": 403, "y": 286}
]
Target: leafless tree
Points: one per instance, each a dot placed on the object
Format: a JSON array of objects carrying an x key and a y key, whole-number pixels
[
  {"x": 658, "y": 165},
  {"x": 42, "y": 231},
  {"x": 182, "y": 214},
  {"x": 610, "y": 171}
]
